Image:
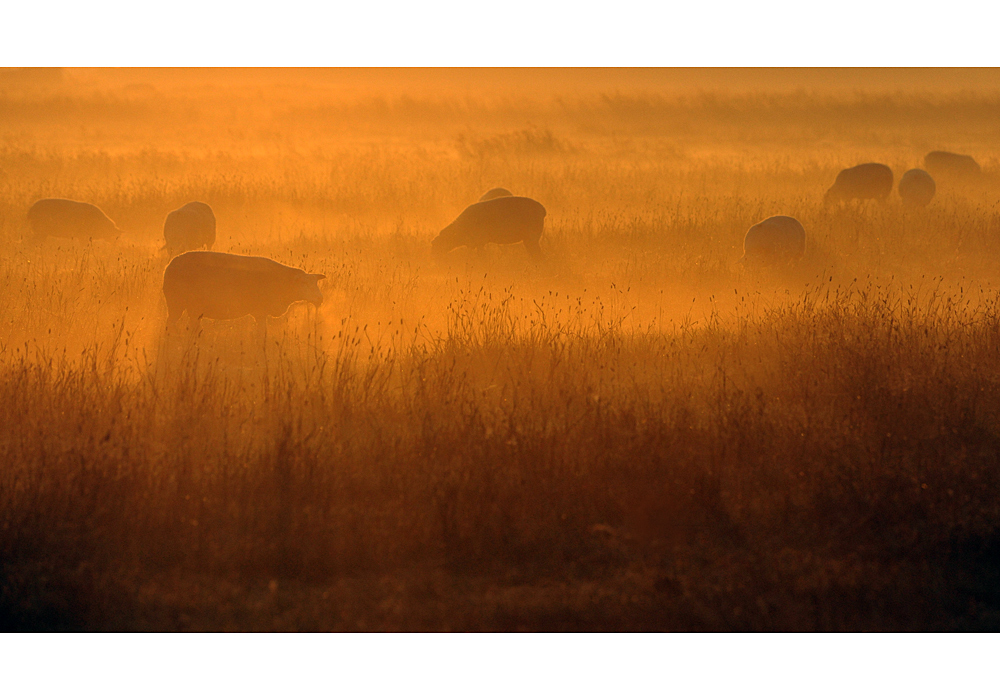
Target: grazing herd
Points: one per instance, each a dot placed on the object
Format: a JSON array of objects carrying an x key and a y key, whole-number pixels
[
  {"x": 783, "y": 239},
  {"x": 207, "y": 284},
  {"x": 946, "y": 165},
  {"x": 916, "y": 188},
  {"x": 500, "y": 218},
  {"x": 203, "y": 283},
  {"x": 227, "y": 286},
  {"x": 774, "y": 240},
  {"x": 64, "y": 218},
  {"x": 189, "y": 228},
  {"x": 865, "y": 181}
]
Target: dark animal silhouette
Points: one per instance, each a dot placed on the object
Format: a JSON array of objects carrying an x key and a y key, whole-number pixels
[
  {"x": 496, "y": 192},
  {"x": 779, "y": 239},
  {"x": 865, "y": 181},
  {"x": 944, "y": 165},
  {"x": 501, "y": 220},
  {"x": 226, "y": 286},
  {"x": 916, "y": 188},
  {"x": 189, "y": 228},
  {"x": 64, "y": 218}
]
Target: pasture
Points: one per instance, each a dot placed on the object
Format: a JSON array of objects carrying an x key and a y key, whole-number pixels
[{"x": 633, "y": 433}]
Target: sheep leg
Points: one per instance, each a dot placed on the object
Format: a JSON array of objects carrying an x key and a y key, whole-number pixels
[{"x": 533, "y": 248}]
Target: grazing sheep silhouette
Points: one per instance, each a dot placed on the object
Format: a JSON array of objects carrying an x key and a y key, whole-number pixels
[
  {"x": 227, "y": 286},
  {"x": 945, "y": 165},
  {"x": 64, "y": 218},
  {"x": 779, "y": 239},
  {"x": 189, "y": 228},
  {"x": 501, "y": 220},
  {"x": 496, "y": 192},
  {"x": 916, "y": 188},
  {"x": 865, "y": 181}
]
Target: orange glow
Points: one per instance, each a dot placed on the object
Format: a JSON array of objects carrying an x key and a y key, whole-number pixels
[{"x": 619, "y": 425}]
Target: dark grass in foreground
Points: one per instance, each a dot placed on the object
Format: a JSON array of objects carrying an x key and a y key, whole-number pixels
[{"x": 830, "y": 466}]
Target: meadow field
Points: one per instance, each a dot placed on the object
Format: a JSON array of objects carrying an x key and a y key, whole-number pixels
[{"x": 636, "y": 433}]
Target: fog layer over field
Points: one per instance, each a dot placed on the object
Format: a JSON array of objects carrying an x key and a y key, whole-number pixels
[{"x": 636, "y": 432}]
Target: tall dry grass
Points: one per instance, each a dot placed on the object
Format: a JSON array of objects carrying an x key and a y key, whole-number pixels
[{"x": 635, "y": 434}]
